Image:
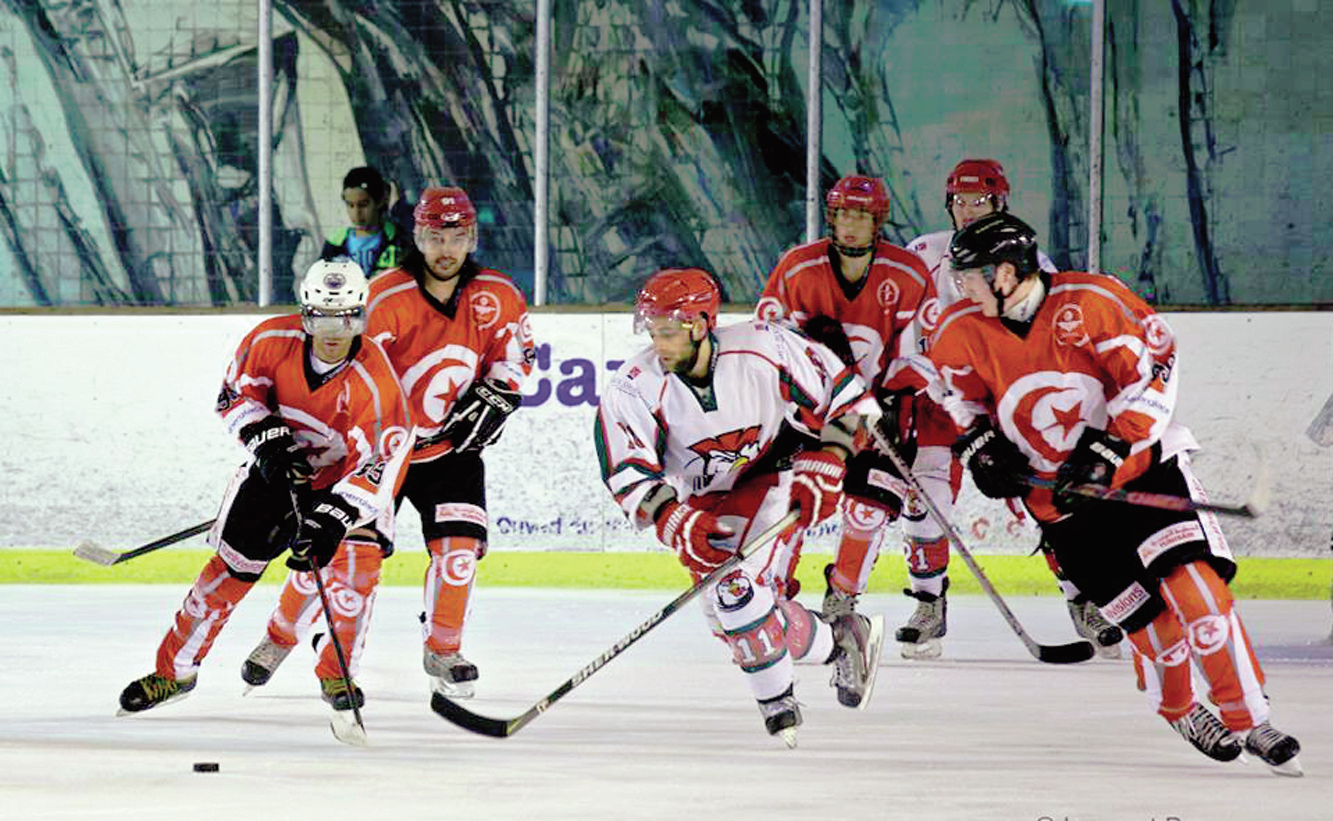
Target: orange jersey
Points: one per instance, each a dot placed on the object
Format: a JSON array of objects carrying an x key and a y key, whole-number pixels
[
  {"x": 439, "y": 349},
  {"x": 1094, "y": 354},
  {"x": 874, "y": 312},
  {"x": 353, "y": 421}
]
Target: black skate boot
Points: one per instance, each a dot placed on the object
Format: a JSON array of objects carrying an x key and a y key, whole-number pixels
[
  {"x": 452, "y": 676},
  {"x": 1275, "y": 748},
  {"x": 263, "y": 663},
  {"x": 152, "y": 691},
  {"x": 920, "y": 637},
  {"x": 782, "y": 715},
  {"x": 1093, "y": 626},
  {"x": 1208, "y": 734},
  {"x": 335, "y": 693}
]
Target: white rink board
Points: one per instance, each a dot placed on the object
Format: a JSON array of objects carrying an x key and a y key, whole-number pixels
[{"x": 111, "y": 434}]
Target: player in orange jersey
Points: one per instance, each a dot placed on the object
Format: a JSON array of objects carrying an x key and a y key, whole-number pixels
[
  {"x": 319, "y": 407},
  {"x": 459, "y": 337},
  {"x": 857, "y": 293},
  {"x": 1072, "y": 378}
]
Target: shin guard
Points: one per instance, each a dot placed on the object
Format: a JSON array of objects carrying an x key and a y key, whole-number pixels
[
  {"x": 749, "y": 616},
  {"x": 1218, "y": 643},
  {"x": 1162, "y": 659},
  {"x": 927, "y": 563},
  {"x": 350, "y": 581},
  {"x": 863, "y": 528},
  {"x": 809, "y": 638},
  {"x": 202, "y": 616},
  {"x": 298, "y": 608},
  {"x": 448, "y": 591}
]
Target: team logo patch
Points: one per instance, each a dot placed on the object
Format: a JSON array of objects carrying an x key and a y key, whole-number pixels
[
  {"x": 458, "y": 567},
  {"x": 768, "y": 309},
  {"x": 887, "y": 293},
  {"x": 1208, "y": 634},
  {"x": 485, "y": 310},
  {"x": 1158, "y": 333},
  {"x": 930, "y": 313},
  {"x": 345, "y": 601},
  {"x": 1175, "y": 655},
  {"x": 1069, "y": 327},
  {"x": 734, "y": 592},
  {"x": 392, "y": 440},
  {"x": 864, "y": 516},
  {"x": 726, "y": 451}
]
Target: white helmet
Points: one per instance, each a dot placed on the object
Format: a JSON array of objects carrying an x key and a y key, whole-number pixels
[{"x": 333, "y": 298}]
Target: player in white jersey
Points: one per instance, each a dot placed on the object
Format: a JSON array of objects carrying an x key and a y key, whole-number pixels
[
  {"x": 710, "y": 436},
  {"x": 974, "y": 189}
]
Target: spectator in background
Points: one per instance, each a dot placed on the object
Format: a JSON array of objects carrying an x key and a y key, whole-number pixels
[{"x": 373, "y": 240}]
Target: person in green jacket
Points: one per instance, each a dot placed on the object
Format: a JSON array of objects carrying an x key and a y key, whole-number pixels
[{"x": 373, "y": 240}]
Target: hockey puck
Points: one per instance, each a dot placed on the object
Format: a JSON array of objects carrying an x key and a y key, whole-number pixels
[{"x": 205, "y": 766}]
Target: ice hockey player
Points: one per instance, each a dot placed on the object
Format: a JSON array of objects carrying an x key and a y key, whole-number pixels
[
  {"x": 458, "y": 335},
  {"x": 975, "y": 188},
  {"x": 1070, "y": 377},
  {"x": 319, "y": 407},
  {"x": 712, "y": 435}
]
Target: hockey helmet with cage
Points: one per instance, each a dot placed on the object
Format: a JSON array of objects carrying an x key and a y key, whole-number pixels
[
  {"x": 444, "y": 207},
  {"x": 855, "y": 192},
  {"x": 680, "y": 294},
  {"x": 986, "y": 176},
  {"x": 333, "y": 298},
  {"x": 993, "y": 239}
]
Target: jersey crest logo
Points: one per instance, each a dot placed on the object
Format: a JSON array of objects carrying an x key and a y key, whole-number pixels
[
  {"x": 930, "y": 314},
  {"x": 1158, "y": 333},
  {"x": 485, "y": 310},
  {"x": 1068, "y": 326},
  {"x": 727, "y": 451},
  {"x": 887, "y": 293},
  {"x": 1048, "y": 411},
  {"x": 768, "y": 309}
]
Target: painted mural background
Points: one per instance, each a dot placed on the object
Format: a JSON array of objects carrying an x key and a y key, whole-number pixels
[{"x": 128, "y": 135}]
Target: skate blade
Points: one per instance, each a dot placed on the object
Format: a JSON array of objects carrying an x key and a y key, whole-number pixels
[
  {"x": 788, "y": 736},
  {"x": 345, "y": 729},
  {"x": 928, "y": 649},
  {"x": 1290, "y": 768},
  {"x": 873, "y": 649},
  {"x": 1107, "y": 651},
  {"x": 452, "y": 689}
]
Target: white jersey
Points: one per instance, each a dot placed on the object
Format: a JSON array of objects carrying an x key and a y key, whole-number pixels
[
  {"x": 934, "y": 251},
  {"x": 654, "y": 428}
]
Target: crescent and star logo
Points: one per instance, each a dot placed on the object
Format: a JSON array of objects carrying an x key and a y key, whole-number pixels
[{"x": 1049, "y": 411}]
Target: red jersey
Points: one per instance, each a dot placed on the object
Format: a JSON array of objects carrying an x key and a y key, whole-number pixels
[
  {"x": 439, "y": 349},
  {"x": 874, "y": 311},
  {"x": 1094, "y": 354},
  {"x": 353, "y": 421}
]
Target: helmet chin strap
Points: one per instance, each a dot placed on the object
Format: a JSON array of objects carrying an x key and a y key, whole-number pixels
[{"x": 849, "y": 251}]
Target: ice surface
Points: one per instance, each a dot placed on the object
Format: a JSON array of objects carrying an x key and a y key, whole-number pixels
[{"x": 666, "y": 731}]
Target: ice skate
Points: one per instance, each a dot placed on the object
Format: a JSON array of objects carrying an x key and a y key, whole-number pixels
[
  {"x": 856, "y": 661},
  {"x": 1208, "y": 734},
  {"x": 1093, "y": 626},
  {"x": 1275, "y": 748},
  {"x": 920, "y": 637},
  {"x": 782, "y": 715},
  {"x": 153, "y": 691},
  {"x": 836, "y": 602},
  {"x": 263, "y": 663},
  {"x": 336, "y": 694},
  {"x": 452, "y": 676}
]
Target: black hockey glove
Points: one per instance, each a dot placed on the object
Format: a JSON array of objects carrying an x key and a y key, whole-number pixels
[
  {"x": 897, "y": 421},
  {"x": 324, "y": 521},
  {"x": 480, "y": 413},
  {"x": 1093, "y": 462},
  {"x": 277, "y": 456},
  {"x": 829, "y": 332},
  {"x": 999, "y": 469}
]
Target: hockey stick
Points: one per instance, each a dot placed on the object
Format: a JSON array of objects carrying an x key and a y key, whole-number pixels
[
  {"x": 1321, "y": 427},
  {"x": 354, "y": 734},
  {"x": 95, "y": 553},
  {"x": 1071, "y": 653},
  {"x": 1256, "y": 504},
  {"x": 503, "y": 728}
]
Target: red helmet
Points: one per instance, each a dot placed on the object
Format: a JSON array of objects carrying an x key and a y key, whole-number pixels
[
  {"x": 441, "y": 207},
  {"x": 860, "y": 193},
  {"x": 977, "y": 175},
  {"x": 682, "y": 294}
]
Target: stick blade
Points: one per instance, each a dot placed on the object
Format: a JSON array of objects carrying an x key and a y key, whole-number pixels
[
  {"x": 482, "y": 725},
  {"x": 95, "y": 553},
  {"x": 1321, "y": 427},
  {"x": 1071, "y": 653},
  {"x": 347, "y": 730}
]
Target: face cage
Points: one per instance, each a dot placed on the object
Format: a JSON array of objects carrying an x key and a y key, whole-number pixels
[{"x": 350, "y": 322}]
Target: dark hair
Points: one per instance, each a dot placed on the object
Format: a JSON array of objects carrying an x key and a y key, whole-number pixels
[{"x": 369, "y": 179}]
